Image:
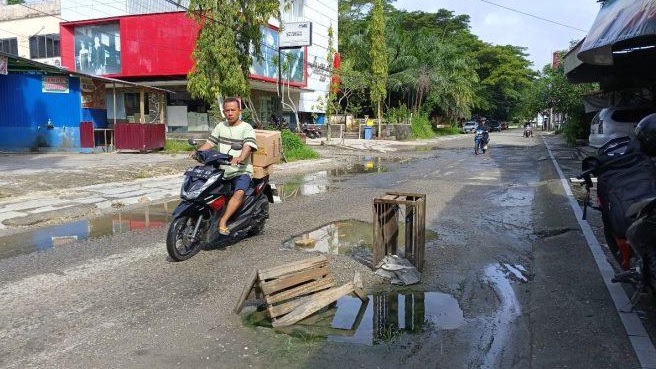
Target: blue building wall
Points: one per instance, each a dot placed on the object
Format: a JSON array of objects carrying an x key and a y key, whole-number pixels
[
  {"x": 97, "y": 116},
  {"x": 25, "y": 111}
]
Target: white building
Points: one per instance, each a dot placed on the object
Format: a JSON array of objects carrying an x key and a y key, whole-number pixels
[{"x": 31, "y": 30}]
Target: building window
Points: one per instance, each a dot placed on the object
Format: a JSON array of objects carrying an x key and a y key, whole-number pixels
[
  {"x": 294, "y": 12},
  {"x": 44, "y": 46},
  {"x": 297, "y": 8},
  {"x": 9, "y": 45}
]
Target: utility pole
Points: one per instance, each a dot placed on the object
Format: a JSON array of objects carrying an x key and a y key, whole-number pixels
[{"x": 279, "y": 83}]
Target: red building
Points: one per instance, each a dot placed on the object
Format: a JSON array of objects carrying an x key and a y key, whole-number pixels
[{"x": 156, "y": 49}]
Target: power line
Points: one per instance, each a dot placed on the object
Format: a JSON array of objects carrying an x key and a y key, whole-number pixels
[{"x": 532, "y": 15}]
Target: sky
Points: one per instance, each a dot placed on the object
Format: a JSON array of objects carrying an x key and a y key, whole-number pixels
[{"x": 499, "y": 25}]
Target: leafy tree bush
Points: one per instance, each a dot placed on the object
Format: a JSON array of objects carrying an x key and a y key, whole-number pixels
[
  {"x": 399, "y": 114},
  {"x": 294, "y": 149},
  {"x": 421, "y": 127}
]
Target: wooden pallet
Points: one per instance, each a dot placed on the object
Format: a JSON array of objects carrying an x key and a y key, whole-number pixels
[{"x": 296, "y": 290}]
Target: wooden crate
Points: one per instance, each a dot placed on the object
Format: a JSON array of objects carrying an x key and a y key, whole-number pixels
[
  {"x": 296, "y": 290},
  {"x": 386, "y": 212}
]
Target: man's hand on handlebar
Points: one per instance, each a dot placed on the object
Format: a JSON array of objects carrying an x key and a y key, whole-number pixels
[{"x": 236, "y": 161}]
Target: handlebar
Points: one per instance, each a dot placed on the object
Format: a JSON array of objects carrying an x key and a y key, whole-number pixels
[{"x": 212, "y": 157}]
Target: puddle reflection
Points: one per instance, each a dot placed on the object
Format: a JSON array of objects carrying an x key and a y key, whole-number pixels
[
  {"x": 380, "y": 320},
  {"x": 345, "y": 237},
  {"x": 150, "y": 216},
  {"x": 320, "y": 182}
]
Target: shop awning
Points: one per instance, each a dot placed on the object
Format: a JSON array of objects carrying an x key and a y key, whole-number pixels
[{"x": 621, "y": 27}]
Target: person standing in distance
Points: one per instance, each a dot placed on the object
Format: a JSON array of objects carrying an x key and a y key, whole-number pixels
[{"x": 233, "y": 130}]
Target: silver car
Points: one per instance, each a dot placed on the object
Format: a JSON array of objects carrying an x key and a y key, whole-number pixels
[
  {"x": 469, "y": 127},
  {"x": 611, "y": 123}
]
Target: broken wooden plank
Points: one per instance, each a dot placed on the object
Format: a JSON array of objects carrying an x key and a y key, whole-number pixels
[
  {"x": 359, "y": 289},
  {"x": 315, "y": 303},
  {"x": 292, "y": 267},
  {"x": 301, "y": 290},
  {"x": 286, "y": 307},
  {"x": 291, "y": 280},
  {"x": 246, "y": 292}
]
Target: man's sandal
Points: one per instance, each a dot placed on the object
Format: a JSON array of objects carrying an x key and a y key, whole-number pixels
[{"x": 224, "y": 231}]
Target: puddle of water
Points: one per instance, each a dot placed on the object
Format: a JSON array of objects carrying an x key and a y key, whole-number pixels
[
  {"x": 499, "y": 277},
  {"x": 320, "y": 182},
  {"x": 304, "y": 185},
  {"x": 150, "y": 216},
  {"x": 380, "y": 320},
  {"x": 346, "y": 237}
]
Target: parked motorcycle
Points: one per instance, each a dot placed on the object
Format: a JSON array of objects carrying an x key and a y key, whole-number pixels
[
  {"x": 311, "y": 131},
  {"x": 205, "y": 195},
  {"x": 626, "y": 197},
  {"x": 481, "y": 139}
]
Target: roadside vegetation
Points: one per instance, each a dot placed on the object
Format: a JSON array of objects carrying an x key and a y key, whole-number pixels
[
  {"x": 421, "y": 68},
  {"x": 294, "y": 149},
  {"x": 173, "y": 145}
]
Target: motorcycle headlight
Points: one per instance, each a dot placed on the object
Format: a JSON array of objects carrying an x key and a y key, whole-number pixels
[{"x": 195, "y": 192}]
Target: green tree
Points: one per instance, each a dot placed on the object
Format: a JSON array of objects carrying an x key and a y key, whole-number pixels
[
  {"x": 14, "y": 2},
  {"x": 551, "y": 90},
  {"x": 378, "y": 55},
  {"x": 230, "y": 34},
  {"x": 504, "y": 72}
]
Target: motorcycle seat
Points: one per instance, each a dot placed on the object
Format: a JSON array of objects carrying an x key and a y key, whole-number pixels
[{"x": 637, "y": 208}]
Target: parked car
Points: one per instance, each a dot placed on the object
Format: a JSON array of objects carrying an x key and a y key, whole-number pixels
[
  {"x": 615, "y": 122},
  {"x": 469, "y": 127},
  {"x": 494, "y": 125}
]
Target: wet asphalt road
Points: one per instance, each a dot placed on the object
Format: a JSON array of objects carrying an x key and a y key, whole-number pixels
[{"x": 516, "y": 281}]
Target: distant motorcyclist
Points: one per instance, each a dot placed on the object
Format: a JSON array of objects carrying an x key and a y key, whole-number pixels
[
  {"x": 482, "y": 133},
  {"x": 528, "y": 129}
]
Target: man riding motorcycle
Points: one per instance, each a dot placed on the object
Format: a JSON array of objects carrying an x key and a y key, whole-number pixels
[{"x": 233, "y": 130}]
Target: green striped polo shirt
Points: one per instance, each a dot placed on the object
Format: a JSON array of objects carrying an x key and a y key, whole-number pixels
[{"x": 224, "y": 135}]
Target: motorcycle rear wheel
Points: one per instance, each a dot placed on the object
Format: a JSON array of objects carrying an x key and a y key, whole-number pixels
[
  {"x": 260, "y": 218},
  {"x": 179, "y": 242}
]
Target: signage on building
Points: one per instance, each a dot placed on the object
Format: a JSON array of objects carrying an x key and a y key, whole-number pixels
[
  {"x": 296, "y": 34},
  {"x": 54, "y": 84},
  {"x": 93, "y": 93}
]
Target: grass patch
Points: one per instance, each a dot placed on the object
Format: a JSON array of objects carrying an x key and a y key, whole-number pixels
[
  {"x": 294, "y": 149},
  {"x": 447, "y": 131},
  {"x": 177, "y": 145}
]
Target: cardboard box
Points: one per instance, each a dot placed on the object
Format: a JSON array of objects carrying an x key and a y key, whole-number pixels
[
  {"x": 269, "y": 148},
  {"x": 261, "y": 172}
]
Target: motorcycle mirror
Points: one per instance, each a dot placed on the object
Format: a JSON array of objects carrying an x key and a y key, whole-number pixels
[{"x": 236, "y": 146}]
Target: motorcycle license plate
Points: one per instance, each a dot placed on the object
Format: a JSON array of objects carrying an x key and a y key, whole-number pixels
[{"x": 199, "y": 172}]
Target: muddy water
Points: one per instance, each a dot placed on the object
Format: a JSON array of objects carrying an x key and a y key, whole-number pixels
[
  {"x": 349, "y": 237},
  {"x": 150, "y": 216},
  {"x": 319, "y": 182},
  {"x": 382, "y": 319}
]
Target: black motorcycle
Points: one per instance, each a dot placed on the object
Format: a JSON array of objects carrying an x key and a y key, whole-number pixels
[
  {"x": 311, "y": 131},
  {"x": 205, "y": 195},
  {"x": 626, "y": 191}
]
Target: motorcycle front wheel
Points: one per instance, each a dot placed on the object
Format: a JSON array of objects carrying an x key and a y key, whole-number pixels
[
  {"x": 181, "y": 242},
  {"x": 476, "y": 148}
]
